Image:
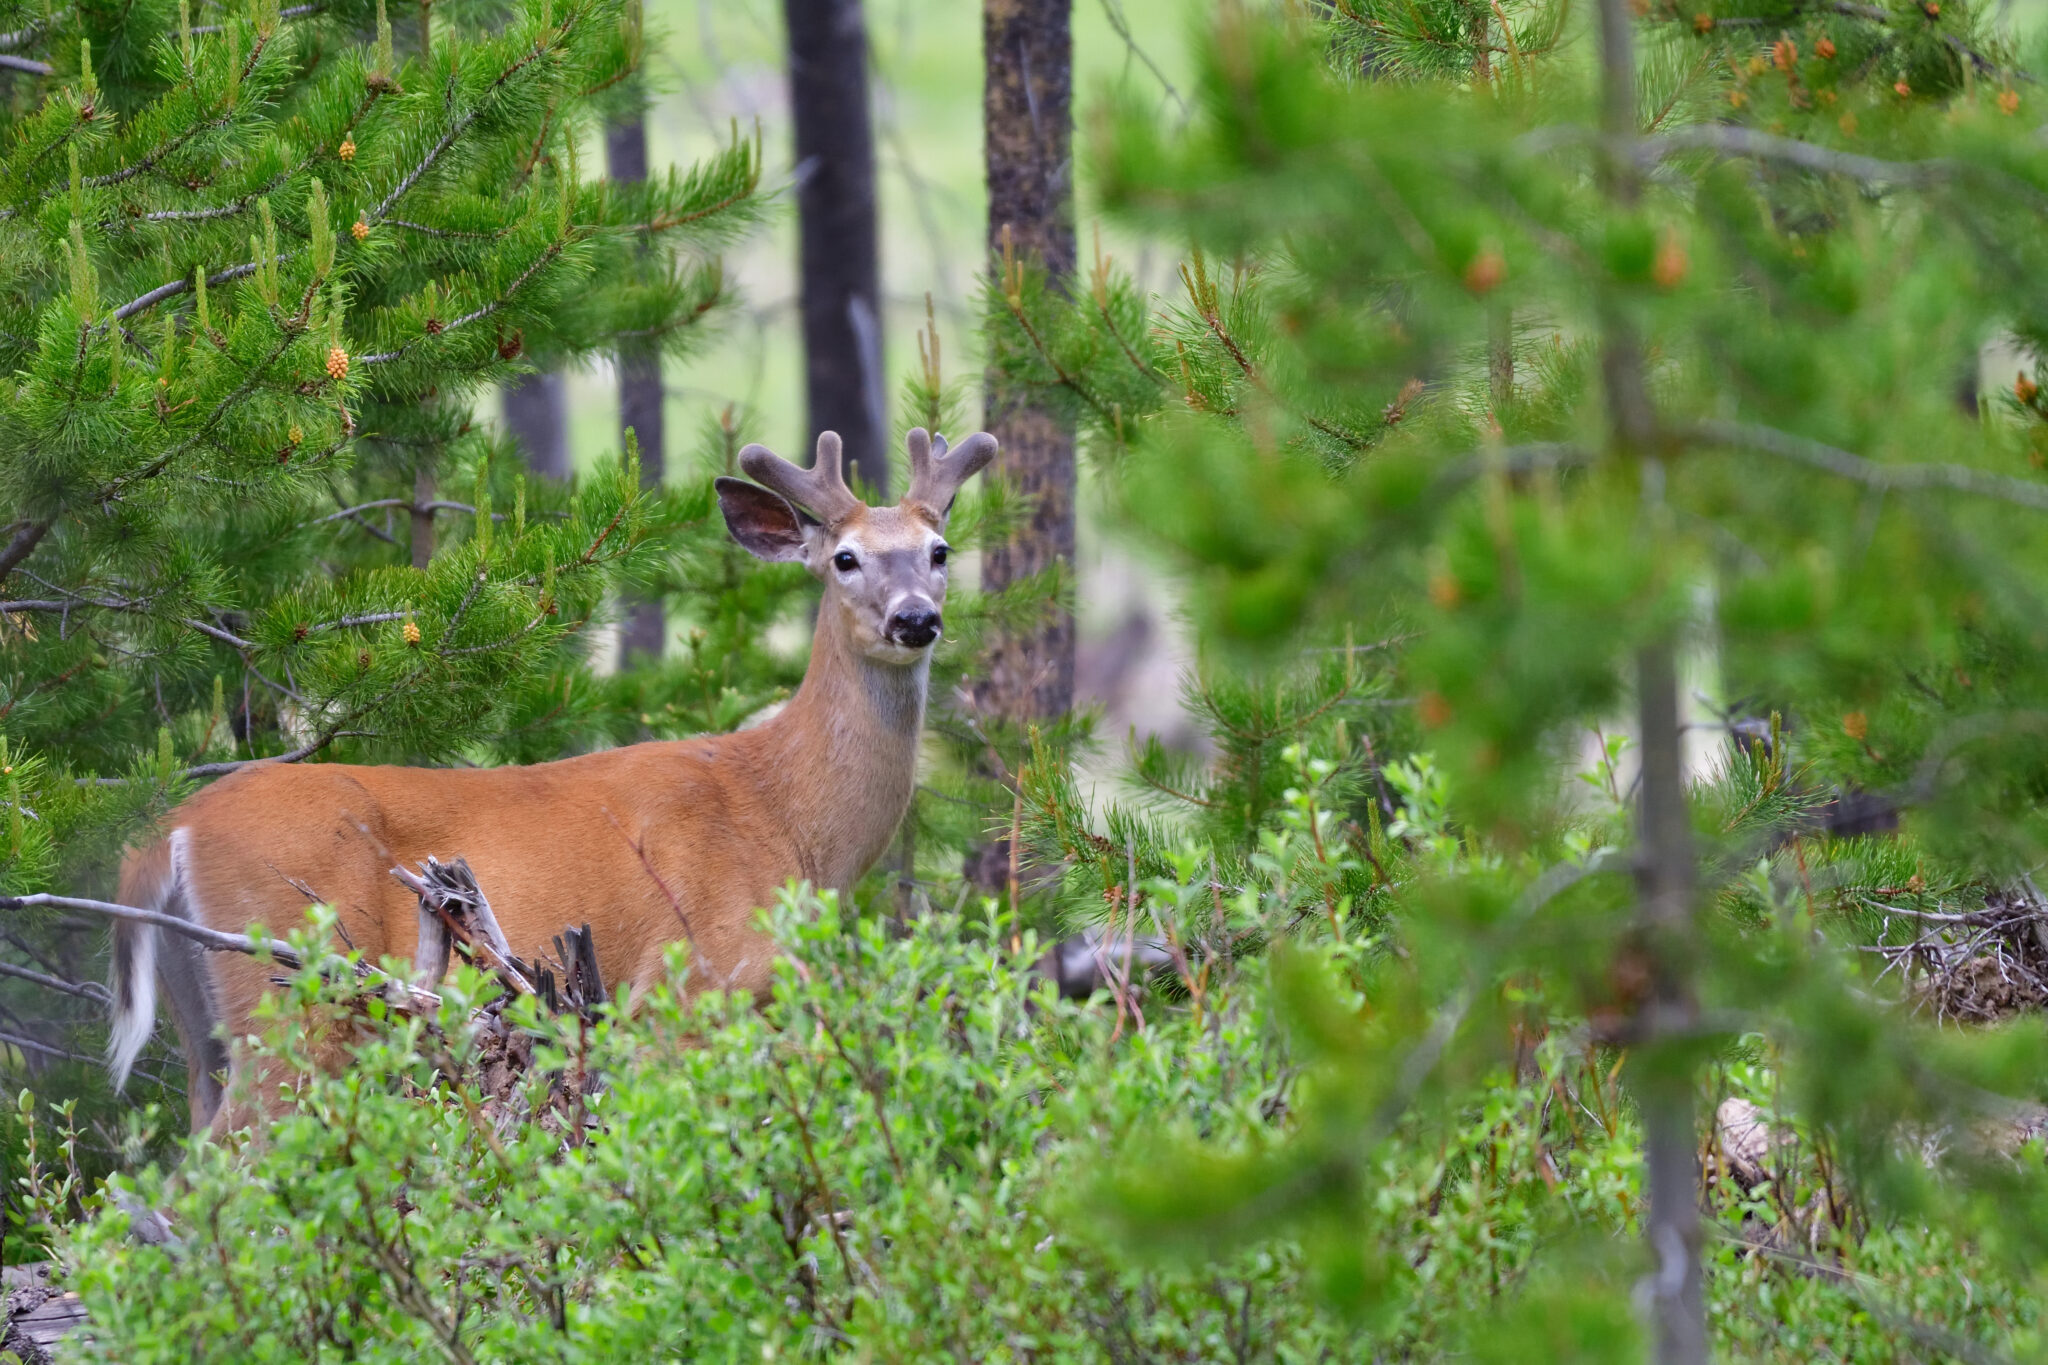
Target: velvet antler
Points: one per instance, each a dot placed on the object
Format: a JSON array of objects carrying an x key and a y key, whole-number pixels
[
  {"x": 820, "y": 490},
  {"x": 936, "y": 473}
]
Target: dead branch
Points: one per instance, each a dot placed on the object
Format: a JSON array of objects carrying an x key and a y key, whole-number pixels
[{"x": 217, "y": 940}]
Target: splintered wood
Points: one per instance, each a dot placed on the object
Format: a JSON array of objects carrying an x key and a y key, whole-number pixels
[{"x": 455, "y": 916}]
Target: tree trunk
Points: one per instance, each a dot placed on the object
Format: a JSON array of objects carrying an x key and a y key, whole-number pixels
[
  {"x": 537, "y": 414},
  {"x": 1027, "y": 127},
  {"x": 839, "y": 257},
  {"x": 640, "y": 398},
  {"x": 422, "y": 512},
  {"x": 1666, "y": 868},
  {"x": 1665, "y": 876}
]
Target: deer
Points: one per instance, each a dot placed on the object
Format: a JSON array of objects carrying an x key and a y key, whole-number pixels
[{"x": 652, "y": 843}]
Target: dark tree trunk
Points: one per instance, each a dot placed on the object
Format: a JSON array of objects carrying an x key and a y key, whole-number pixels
[
  {"x": 640, "y": 396},
  {"x": 1027, "y": 121},
  {"x": 839, "y": 256},
  {"x": 537, "y": 415}
]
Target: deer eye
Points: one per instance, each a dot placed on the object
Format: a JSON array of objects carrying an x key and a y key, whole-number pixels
[
  {"x": 845, "y": 562},
  {"x": 939, "y": 553}
]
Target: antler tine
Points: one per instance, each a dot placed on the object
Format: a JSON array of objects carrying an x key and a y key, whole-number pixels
[
  {"x": 936, "y": 472},
  {"x": 821, "y": 489},
  {"x": 918, "y": 442}
]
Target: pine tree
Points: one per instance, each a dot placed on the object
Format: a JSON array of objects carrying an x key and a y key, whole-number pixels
[
  {"x": 1597, "y": 359},
  {"x": 256, "y": 268}
]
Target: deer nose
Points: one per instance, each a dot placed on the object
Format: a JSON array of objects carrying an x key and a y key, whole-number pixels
[{"x": 914, "y": 626}]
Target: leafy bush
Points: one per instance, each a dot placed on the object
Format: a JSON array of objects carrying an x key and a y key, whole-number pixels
[
  {"x": 917, "y": 1151},
  {"x": 749, "y": 1184}
]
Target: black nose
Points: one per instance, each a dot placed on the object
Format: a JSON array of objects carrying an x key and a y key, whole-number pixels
[{"x": 914, "y": 626}]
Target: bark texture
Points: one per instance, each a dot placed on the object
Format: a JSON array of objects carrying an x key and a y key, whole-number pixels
[
  {"x": 1028, "y": 126},
  {"x": 640, "y": 397},
  {"x": 1027, "y": 130},
  {"x": 839, "y": 255}
]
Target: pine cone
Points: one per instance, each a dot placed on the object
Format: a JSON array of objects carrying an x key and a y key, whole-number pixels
[
  {"x": 337, "y": 363},
  {"x": 347, "y": 150}
]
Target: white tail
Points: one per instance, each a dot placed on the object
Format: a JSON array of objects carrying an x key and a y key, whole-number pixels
[
  {"x": 651, "y": 844},
  {"x": 134, "y": 988}
]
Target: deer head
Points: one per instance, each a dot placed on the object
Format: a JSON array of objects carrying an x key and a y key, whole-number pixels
[{"x": 884, "y": 568}]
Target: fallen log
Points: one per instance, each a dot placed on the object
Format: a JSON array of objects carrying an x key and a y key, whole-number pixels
[{"x": 35, "y": 1316}]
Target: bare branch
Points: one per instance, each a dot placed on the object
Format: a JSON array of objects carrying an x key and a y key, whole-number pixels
[
  {"x": 85, "y": 990},
  {"x": 215, "y": 939},
  {"x": 27, "y": 535},
  {"x": 1734, "y": 140},
  {"x": 1849, "y": 465}
]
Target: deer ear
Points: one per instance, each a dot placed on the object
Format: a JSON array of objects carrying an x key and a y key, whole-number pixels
[{"x": 764, "y": 523}]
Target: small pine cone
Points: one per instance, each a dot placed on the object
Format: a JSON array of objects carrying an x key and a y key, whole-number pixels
[
  {"x": 2009, "y": 102},
  {"x": 347, "y": 150},
  {"x": 337, "y": 363},
  {"x": 359, "y": 230},
  {"x": 363, "y": 660},
  {"x": 1825, "y": 49},
  {"x": 296, "y": 435},
  {"x": 412, "y": 635},
  {"x": 510, "y": 347},
  {"x": 435, "y": 327}
]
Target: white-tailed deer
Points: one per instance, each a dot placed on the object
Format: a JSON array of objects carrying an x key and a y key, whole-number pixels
[{"x": 651, "y": 843}]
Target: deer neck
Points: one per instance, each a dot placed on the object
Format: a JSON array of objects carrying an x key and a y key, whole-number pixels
[{"x": 843, "y": 755}]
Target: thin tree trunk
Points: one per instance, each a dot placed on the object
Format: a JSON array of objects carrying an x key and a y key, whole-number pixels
[
  {"x": 1666, "y": 870},
  {"x": 537, "y": 414},
  {"x": 839, "y": 256},
  {"x": 1027, "y": 53},
  {"x": 1666, "y": 877},
  {"x": 422, "y": 514},
  {"x": 640, "y": 399},
  {"x": 1500, "y": 358}
]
